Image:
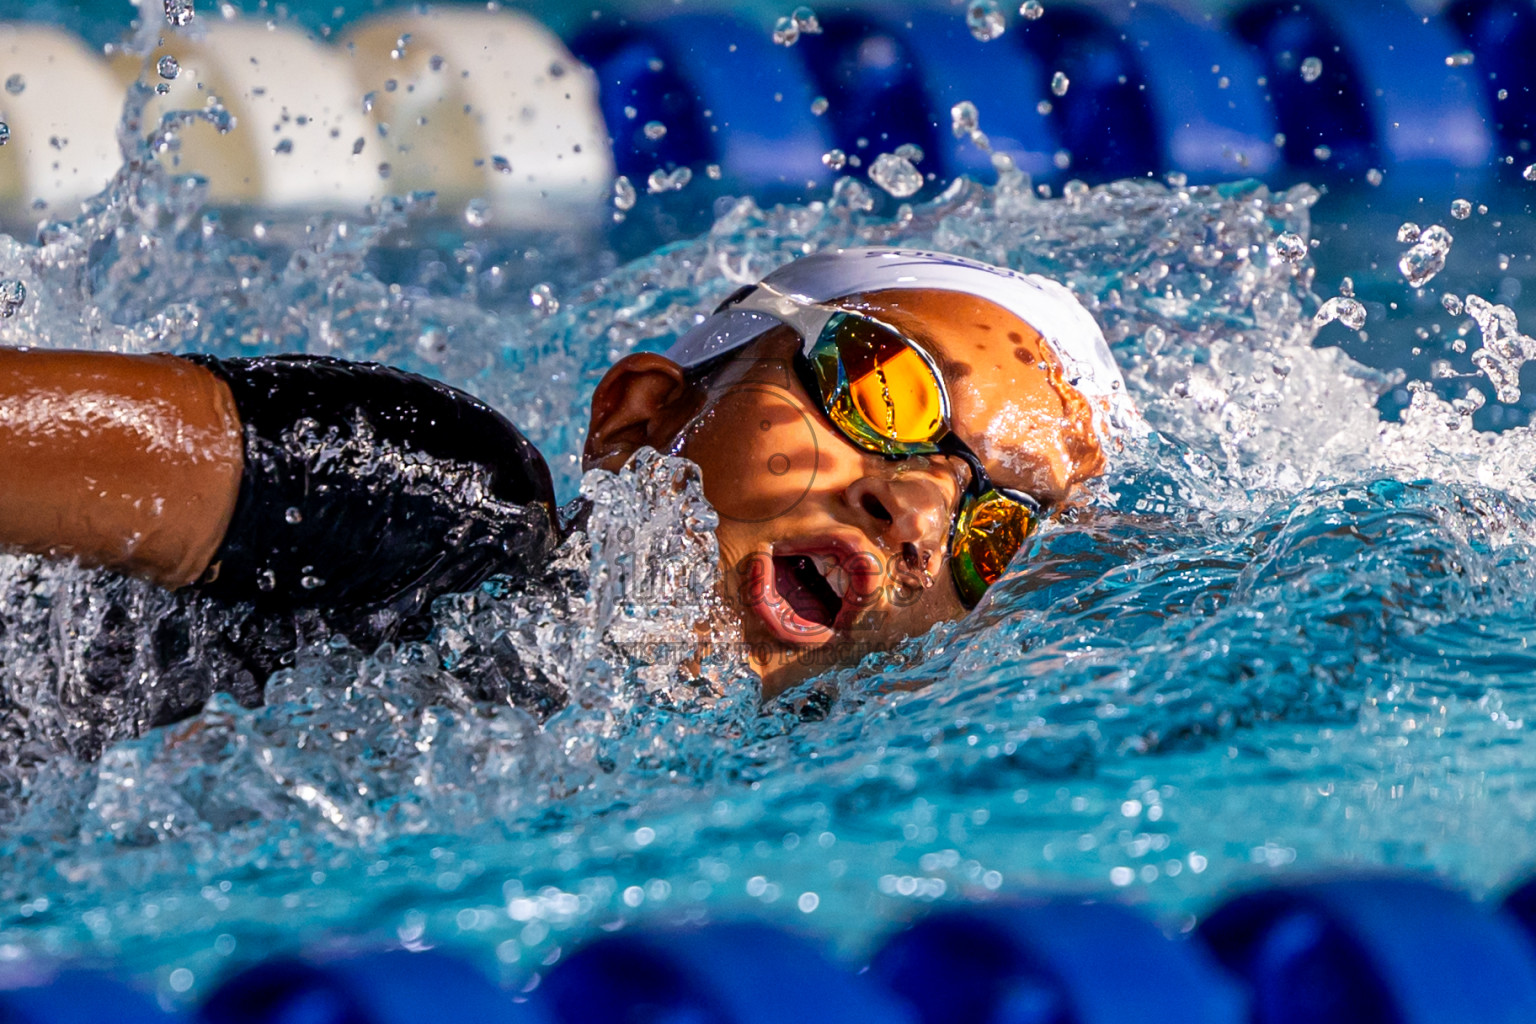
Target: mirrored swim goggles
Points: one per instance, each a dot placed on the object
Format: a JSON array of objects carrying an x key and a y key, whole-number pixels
[{"x": 886, "y": 395}]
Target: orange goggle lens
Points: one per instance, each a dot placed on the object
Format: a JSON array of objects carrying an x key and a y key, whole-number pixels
[
  {"x": 988, "y": 532},
  {"x": 877, "y": 388}
]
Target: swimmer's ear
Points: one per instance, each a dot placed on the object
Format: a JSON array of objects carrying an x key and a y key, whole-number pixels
[{"x": 643, "y": 400}]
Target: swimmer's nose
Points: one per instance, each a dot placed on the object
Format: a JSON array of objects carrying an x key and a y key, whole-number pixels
[{"x": 908, "y": 515}]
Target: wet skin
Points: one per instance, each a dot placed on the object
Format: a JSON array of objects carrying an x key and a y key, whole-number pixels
[{"x": 829, "y": 551}]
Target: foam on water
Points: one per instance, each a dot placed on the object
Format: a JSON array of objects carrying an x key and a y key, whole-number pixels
[{"x": 1288, "y": 632}]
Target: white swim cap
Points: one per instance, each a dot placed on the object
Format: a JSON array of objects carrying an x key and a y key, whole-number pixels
[{"x": 1045, "y": 305}]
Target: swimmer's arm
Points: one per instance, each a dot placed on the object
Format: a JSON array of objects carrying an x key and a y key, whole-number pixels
[{"x": 131, "y": 463}]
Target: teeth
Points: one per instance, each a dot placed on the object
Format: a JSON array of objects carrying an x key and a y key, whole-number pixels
[{"x": 833, "y": 573}]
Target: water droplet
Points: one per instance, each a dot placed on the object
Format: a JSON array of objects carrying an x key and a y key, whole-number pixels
[
  {"x": 985, "y": 19},
  {"x": 661, "y": 181},
  {"x": 1032, "y": 10},
  {"x": 1427, "y": 256},
  {"x": 624, "y": 195},
  {"x": 1344, "y": 309},
  {"x": 1044, "y": 107},
  {"x": 1311, "y": 69},
  {"x": 384, "y": 171},
  {"x": 819, "y": 105},
  {"x": 1290, "y": 247},
  {"x": 910, "y": 151},
  {"x": 712, "y": 172},
  {"x": 501, "y": 164},
  {"x": 357, "y": 145},
  {"x": 168, "y": 68},
  {"x": 1473, "y": 401},
  {"x": 432, "y": 342},
  {"x": 1176, "y": 179},
  {"x": 5, "y": 133},
  {"x": 1062, "y": 159},
  {"x": 12, "y": 294},
  {"x": 1452, "y": 304},
  {"x": 311, "y": 582},
  {"x": 1322, "y": 152},
  {"x": 805, "y": 21},
  {"x": 542, "y": 298},
  {"x": 1373, "y": 176},
  {"x": 293, "y": 516},
  {"x": 896, "y": 175},
  {"x": 835, "y": 159},
  {"x": 179, "y": 12},
  {"x": 1408, "y": 231},
  {"x": 963, "y": 118},
  {"x": 654, "y": 130},
  {"x": 1059, "y": 83},
  {"x": 786, "y": 32},
  {"x": 15, "y": 85},
  {"x": 283, "y": 146},
  {"x": 1461, "y": 209},
  {"x": 477, "y": 213},
  {"x": 1460, "y": 59},
  {"x": 401, "y": 46}
]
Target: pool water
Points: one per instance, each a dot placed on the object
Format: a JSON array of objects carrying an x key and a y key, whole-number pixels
[{"x": 1293, "y": 635}]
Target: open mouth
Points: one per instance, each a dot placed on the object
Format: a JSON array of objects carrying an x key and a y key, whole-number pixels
[
  {"x": 804, "y": 597},
  {"x": 804, "y": 584}
]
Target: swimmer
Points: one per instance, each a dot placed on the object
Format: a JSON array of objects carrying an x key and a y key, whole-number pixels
[{"x": 879, "y": 430}]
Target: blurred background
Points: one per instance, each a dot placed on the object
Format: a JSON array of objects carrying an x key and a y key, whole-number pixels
[{"x": 1399, "y": 111}]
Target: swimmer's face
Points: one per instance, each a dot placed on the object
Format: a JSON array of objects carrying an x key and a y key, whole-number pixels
[{"x": 830, "y": 551}]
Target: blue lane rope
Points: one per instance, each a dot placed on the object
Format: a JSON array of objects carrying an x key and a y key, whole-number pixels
[
  {"x": 79, "y": 997},
  {"x": 1373, "y": 949},
  {"x": 1281, "y": 90},
  {"x": 1055, "y": 962},
  {"x": 1382, "y": 93},
  {"x": 1501, "y": 34},
  {"x": 1214, "y": 120},
  {"x": 1147, "y": 90},
  {"x": 1389, "y": 950},
  {"x": 1007, "y": 89},
  {"x": 394, "y": 987},
  {"x": 734, "y": 973}
]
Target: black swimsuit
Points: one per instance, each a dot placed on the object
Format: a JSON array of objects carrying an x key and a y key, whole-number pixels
[{"x": 368, "y": 490}]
